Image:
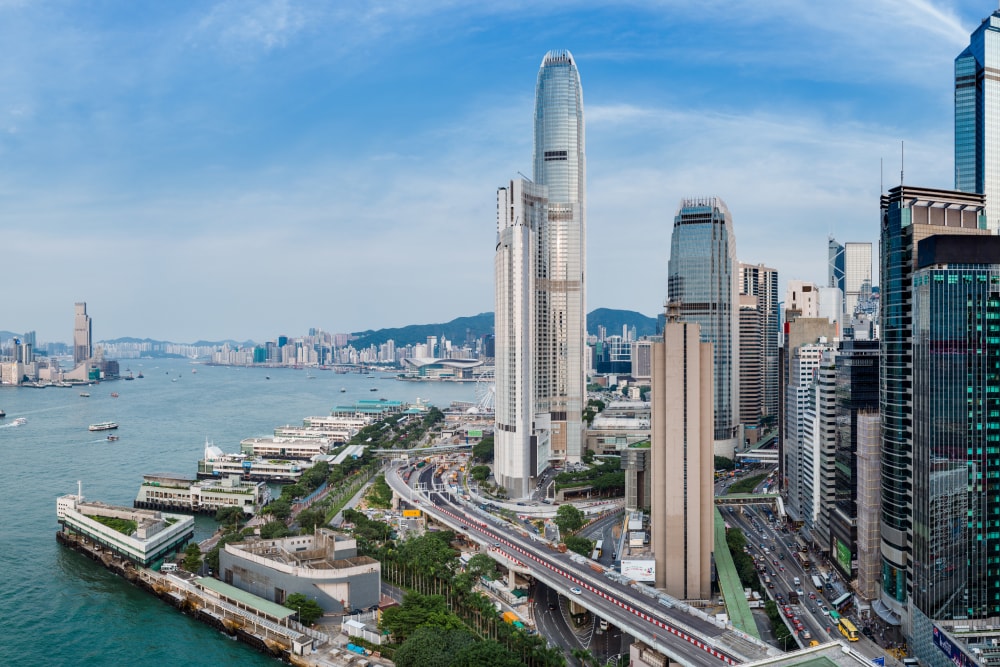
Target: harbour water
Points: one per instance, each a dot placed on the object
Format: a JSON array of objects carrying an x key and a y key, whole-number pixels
[{"x": 59, "y": 608}]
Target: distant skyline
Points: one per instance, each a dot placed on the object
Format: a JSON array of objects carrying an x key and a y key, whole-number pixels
[{"x": 244, "y": 169}]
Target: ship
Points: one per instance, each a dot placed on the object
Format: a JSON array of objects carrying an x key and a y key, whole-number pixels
[
  {"x": 20, "y": 421},
  {"x": 342, "y": 390},
  {"x": 84, "y": 394},
  {"x": 112, "y": 438},
  {"x": 103, "y": 426},
  {"x": 129, "y": 376},
  {"x": 139, "y": 375}
]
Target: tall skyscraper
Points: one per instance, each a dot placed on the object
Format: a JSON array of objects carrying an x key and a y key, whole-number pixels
[
  {"x": 82, "y": 334},
  {"x": 560, "y": 165},
  {"x": 977, "y": 117},
  {"x": 762, "y": 282},
  {"x": 540, "y": 290},
  {"x": 956, "y": 427},
  {"x": 909, "y": 215},
  {"x": 702, "y": 280},
  {"x": 682, "y": 507},
  {"x": 751, "y": 361}
]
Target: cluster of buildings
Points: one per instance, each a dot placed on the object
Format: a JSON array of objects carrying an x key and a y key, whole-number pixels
[{"x": 885, "y": 399}]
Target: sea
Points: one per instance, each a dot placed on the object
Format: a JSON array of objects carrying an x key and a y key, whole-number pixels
[{"x": 60, "y": 608}]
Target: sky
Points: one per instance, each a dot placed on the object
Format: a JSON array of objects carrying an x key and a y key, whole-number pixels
[{"x": 246, "y": 169}]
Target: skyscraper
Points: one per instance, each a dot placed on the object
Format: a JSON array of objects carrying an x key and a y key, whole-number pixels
[
  {"x": 540, "y": 289},
  {"x": 702, "y": 280},
  {"x": 762, "y": 282},
  {"x": 560, "y": 165},
  {"x": 682, "y": 507},
  {"x": 909, "y": 215},
  {"x": 82, "y": 334},
  {"x": 977, "y": 117}
]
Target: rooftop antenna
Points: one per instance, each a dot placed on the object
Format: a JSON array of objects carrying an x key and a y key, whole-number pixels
[
  {"x": 902, "y": 160},
  {"x": 881, "y": 176}
]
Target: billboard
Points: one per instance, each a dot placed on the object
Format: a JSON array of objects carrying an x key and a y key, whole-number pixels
[
  {"x": 411, "y": 513},
  {"x": 951, "y": 650},
  {"x": 844, "y": 555},
  {"x": 640, "y": 570},
  {"x": 475, "y": 433}
]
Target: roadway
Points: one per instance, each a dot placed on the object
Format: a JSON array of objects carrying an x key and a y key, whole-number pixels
[{"x": 686, "y": 635}]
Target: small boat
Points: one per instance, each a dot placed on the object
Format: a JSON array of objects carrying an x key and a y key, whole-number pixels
[
  {"x": 173, "y": 380},
  {"x": 112, "y": 438},
  {"x": 20, "y": 421},
  {"x": 2, "y": 414},
  {"x": 129, "y": 376},
  {"x": 342, "y": 390},
  {"x": 139, "y": 375},
  {"x": 103, "y": 426},
  {"x": 267, "y": 377},
  {"x": 84, "y": 394},
  {"x": 373, "y": 389},
  {"x": 194, "y": 370},
  {"x": 114, "y": 394}
]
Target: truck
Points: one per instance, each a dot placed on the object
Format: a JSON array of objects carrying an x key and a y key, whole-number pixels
[
  {"x": 793, "y": 597},
  {"x": 509, "y": 617},
  {"x": 561, "y": 548}
]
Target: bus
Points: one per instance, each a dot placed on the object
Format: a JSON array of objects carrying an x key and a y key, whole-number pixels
[
  {"x": 835, "y": 616},
  {"x": 801, "y": 543},
  {"x": 847, "y": 629},
  {"x": 842, "y": 602},
  {"x": 803, "y": 559},
  {"x": 599, "y": 549}
]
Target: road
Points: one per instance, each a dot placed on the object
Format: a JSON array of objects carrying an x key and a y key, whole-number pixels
[{"x": 680, "y": 632}]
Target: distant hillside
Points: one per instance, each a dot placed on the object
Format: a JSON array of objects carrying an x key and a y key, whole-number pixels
[
  {"x": 455, "y": 331},
  {"x": 613, "y": 320}
]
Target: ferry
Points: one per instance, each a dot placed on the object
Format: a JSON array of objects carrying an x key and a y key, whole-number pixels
[
  {"x": 20, "y": 421},
  {"x": 84, "y": 394},
  {"x": 103, "y": 426}
]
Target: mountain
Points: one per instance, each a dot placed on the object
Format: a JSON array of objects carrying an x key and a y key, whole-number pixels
[
  {"x": 613, "y": 320},
  {"x": 456, "y": 331}
]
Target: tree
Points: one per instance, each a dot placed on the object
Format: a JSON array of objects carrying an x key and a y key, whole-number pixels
[
  {"x": 309, "y": 519},
  {"x": 481, "y": 565},
  {"x": 569, "y": 518},
  {"x": 580, "y": 545},
  {"x": 306, "y": 609},
  {"x": 432, "y": 646},
  {"x": 230, "y": 516},
  {"x": 192, "y": 558},
  {"x": 485, "y": 653},
  {"x": 279, "y": 509},
  {"x": 483, "y": 450},
  {"x": 418, "y": 610},
  {"x": 273, "y": 530},
  {"x": 480, "y": 473}
]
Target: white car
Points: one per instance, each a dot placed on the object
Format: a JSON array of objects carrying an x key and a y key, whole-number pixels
[{"x": 575, "y": 590}]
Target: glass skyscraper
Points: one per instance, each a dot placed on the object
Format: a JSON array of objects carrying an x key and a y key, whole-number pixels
[
  {"x": 702, "y": 278},
  {"x": 560, "y": 165},
  {"x": 977, "y": 116}
]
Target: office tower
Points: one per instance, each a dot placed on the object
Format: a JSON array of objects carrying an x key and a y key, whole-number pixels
[
  {"x": 857, "y": 383},
  {"x": 751, "y": 362},
  {"x": 702, "y": 282},
  {"x": 823, "y": 446},
  {"x": 830, "y": 304},
  {"x": 762, "y": 282},
  {"x": 956, "y": 428},
  {"x": 835, "y": 263},
  {"x": 82, "y": 334},
  {"x": 801, "y": 300},
  {"x": 977, "y": 117},
  {"x": 682, "y": 509},
  {"x": 909, "y": 215},
  {"x": 869, "y": 493},
  {"x": 520, "y": 215},
  {"x": 850, "y": 268},
  {"x": 800, "y": 418},
  {"x": 560, "y": 165},
  {"x": 642, "y": 359}
]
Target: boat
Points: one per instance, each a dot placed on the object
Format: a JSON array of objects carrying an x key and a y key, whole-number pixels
[
  {"x": 373, "y": 389},
  {"x": 194, "y": 370},
  {"x": 19, "y": 421},
  {"x": 2, "y": 414},
  {"x": 342, "y": 390},
  {"x": 173, "y": 380},
  {"x": 129, "y": 376},
  {"x": 112, "y": 438},
  {"x": 84, "y": 394},
  {"x": 139, "y": 375},
  {"x": 103, "y": 426},
  {"x": 114, "y": 394},
  {"x": 267, "y": 377}
]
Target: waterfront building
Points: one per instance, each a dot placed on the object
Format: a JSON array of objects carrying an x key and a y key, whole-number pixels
[
  {"x": 433, "y": 368},
  {"x": 762, "y": 282},
  {"x": 83, "y": 334},
  {"x": 152, "y": 536},
  {"x": 167, "y": 491},
  {"x": 682, "y": 465},
  {"x": 289, "y": 448},
  {"x": 324, "y": 566},
  {"x": 255, "y": 468},
  {"x": 977, "y": 117},
  {"x": 560, "y": 288},
  {"x": 955, "y": 430},
  {"x": 335, "y": 434},
  {"x": 702, "y": 283},
  {"x": 909, "y": 215}
]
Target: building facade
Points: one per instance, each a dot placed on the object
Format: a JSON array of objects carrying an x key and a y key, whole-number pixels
[
  {"x": 560, "y": 287},
  {"x": 702, "y": 278},
  {"x": 682, "y": 462},
  {"x": 762, "y": 282},
  {"x": 977, "y": 111},
  {"x": 751, "y": 361},
  {"x": 83, "y": 334}
]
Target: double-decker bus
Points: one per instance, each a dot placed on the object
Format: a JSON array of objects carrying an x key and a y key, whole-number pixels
[
  {"x": 847, "y": 629},
  {"x": 803, "y": 559}
]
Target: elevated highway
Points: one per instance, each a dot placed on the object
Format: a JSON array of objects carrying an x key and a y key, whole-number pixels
[{"x": 685, "y": 635}]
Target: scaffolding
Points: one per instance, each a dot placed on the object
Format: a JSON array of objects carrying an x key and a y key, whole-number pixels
[{"x": 869, "y": 504}]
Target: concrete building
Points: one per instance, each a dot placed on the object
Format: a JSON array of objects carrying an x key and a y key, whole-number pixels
[
  {"x": 751, "y": 361},
  {"x": 636, "y": 463},
  {"x": 642, "y": 361},
  {"x": 823, "y": 447},
  {"x": 324, "y": 566},
  {"x": 83, "y": 334},
  {"x": 167, "y": 491},
  {"x": 801, "y": 456},
  {"x": 762, "y": 282},
  {"x": 682, "y": 462}
]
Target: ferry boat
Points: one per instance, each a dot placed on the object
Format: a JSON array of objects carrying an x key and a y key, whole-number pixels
[
  {"x": 84, "y": 394},
  {"x": 112, "y": 438},
  {"x": 342, "y": 390},
  {"x": 20, "y": 421},
  {"x": 103, "y": 426}
]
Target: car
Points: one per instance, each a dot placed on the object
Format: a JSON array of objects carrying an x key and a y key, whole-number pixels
[
  {"x": 576, "y": 590},
  {"x": 553, "y": 606},
  {"x": 812, "y": 596},
  {"x": 781, "y": 556}
]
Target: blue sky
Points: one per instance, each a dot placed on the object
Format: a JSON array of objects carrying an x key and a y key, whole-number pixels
[{"x": 254, "y": 168}]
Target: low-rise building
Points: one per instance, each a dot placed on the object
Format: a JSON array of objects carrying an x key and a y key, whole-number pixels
[
  {"x": 324, "y": 566},
  {"x": 167, "y": 491},
  {"x": 291, "y": 448},
  {"x": 254, "y": 468}
]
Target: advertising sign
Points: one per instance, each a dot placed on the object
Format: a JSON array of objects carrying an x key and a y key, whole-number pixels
[
  {"x": 952, "y": 650},
  {"x": 414, "y": 513},
  {"x": 475, "y": 433},
  {"x": 640, "y": 570},
  {"x": 844, "y": 556}
]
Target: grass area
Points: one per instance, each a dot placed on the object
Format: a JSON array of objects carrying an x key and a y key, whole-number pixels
[
  {"x": 747, "y": 485},
  {"x": 123, "y": 526}
]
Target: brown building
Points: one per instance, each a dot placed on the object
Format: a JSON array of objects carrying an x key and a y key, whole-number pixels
[{"x": 682, "y": 423}]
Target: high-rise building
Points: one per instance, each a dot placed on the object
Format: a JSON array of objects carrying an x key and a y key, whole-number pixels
[
  {"x": 977, "y": 117},
  {"x": 850, "y": 268},
  {"x": 956, "y": 430},
  {"x": 762, "y": 282},
  {"x": 520, "y": 210},
  {"x": 82, "y": 334},
  {"x": 800, "y": 450},
  {"x": 909, "y": 215},
  {"x": 702, "y": 277},
  {"x": 682, "y": 509},
  {"x": 751, "y": 361},
  {"x": 560, "y": 165}
]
